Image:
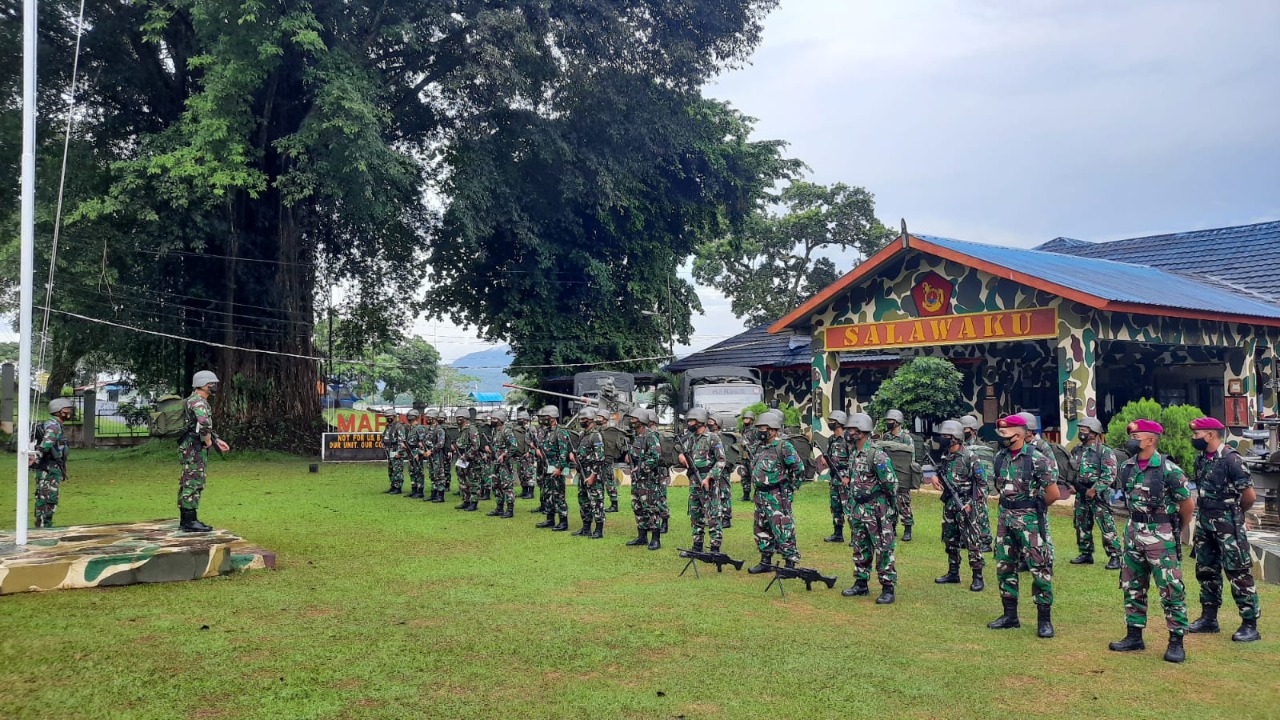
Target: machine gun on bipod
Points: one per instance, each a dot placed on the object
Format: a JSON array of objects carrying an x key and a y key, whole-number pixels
[
  {"x": 808, "y": 576},
  {"x": 718, "y": 559}
]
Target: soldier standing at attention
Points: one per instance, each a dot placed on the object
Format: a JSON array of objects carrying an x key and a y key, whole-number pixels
[
  {"x": 393, "y": 442},
  {"x": 527, "y": 458},
  {"x": 414, "y": 442},
  {"x": 1097, "y": 472},
  {"x": 504, "y": 445},
  {"x": 704, "y": 491},
  {"x": 50, "y": 460},
  {"x": 555, "y": 449},
  {"x": 1027, "y": 480},
  {"x": 872, "y": 488},
  {"x": 1157, "y": 495},
  {"x": 838, "y": 456},
  {"x": 644, "y": 455},
  {"x": 606, "y": 471},
  {"x": 895, "y": 432},
  {"x": 771, "y": 468},
  {"x": 960, "y": 526},
  {"x": 536, "y": 435},
  {"x": 720, "y": 475},
  {"x": 749, "y": 442},
  {"x": 592, "y": 470},
  {"x": 986, "y": 458},
  {"x": 438, "y": 457},
  {"x": 1225, "y": 493},
  {"x": 468, "y": 464},
  {"x": 664, "y": 473},
  {"x": 193, "y": 450}
]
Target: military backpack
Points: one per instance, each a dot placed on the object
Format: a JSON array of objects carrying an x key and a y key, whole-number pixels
[{"x": 170, "y": 418}]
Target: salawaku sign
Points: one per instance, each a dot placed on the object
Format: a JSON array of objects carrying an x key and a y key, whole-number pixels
[{"x": 984, "y": 327}]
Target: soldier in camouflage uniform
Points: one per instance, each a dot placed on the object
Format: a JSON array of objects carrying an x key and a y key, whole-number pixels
[
  {"x": 837, "y": 456},
  {"x": 393, "y": 437},
  {"x": 986, "y": 458},
  {"x": 50, "y": 460},
  {"x": 1160, "y": 506},
  {"x": 437, "y": 446},
  {"x": 1027, "y": 481},
  {"x": 1226, "y": 492},
  {"x": 664, "y": 473},
  {"x": 593, "y": 468},
  {"x": 193, "y": 450},
  {"x": 644, "y": 456},
  {"x": 960, "y": 469},
  {"x": 720, "y": 475},
  {"x": 705, "y": 459},
  {"x": 871, "y": 486},
  {"x": 488, "y": 469},
  {"x": 504, "y": 446},
  {"x": 469, "y": 448},
  {"x": 771, "y": 469},
  {"x": 415, "y": 448},
  {"x": 554, "y": 450},
  {"x": 1096, "y": 474},
  {"x": 749, "y": 443},
  {"x": 527, "y": 458},
  {"x": 536, "y": 435},
  {"x": 895, "y": 432}
]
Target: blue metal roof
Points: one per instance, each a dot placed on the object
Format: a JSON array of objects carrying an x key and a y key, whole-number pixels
[
  {"x": 1115, "y": 281},
  {"x": 485, "y": 397}
]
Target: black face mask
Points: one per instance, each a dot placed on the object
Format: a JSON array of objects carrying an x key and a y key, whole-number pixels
[
  {"x": 1085, "y": 437},
  {"x": 1133, "y": 446},
  {"x": 833, "y": 427},
  {"x": 1007, "y": 442},
  {"x": 545, "y": 422},
  {"x": 1200, "y": 444},
  {"x": 213, "y": 390},
  {"x": 891, "y": 426}
]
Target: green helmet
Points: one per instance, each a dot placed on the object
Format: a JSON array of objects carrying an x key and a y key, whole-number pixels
[
  {"x": 499, "y": 415},
  {"x": 57, "y": 405},
  {"x": 861, "y": 422},
  {"x": 895, "y": 415},
  {"x": 970, "y": 422},
  {"x": 698, "y": 415},
  {"x": 748, "y": 415},
  {"x": 838, "y": 417},
  {"x": 952, "y": 428},
  {"x": 413, "y": 415},
  {"x": 1093, "y": 425},
  {"x": 549, "y": 411},
  {"x": 202, "y": 378},
  {"x": 1032, "y": 425},
  {"x": 769, "y": 420}
]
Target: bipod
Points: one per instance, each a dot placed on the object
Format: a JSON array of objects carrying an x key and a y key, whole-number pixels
[{"x": 693, "y": 563}]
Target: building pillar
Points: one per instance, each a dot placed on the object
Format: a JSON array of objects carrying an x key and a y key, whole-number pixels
[
  {"x": 1268, "y": 377},
  {"x": 826, "y": 366},
  {"x": 1077, "y": 353},
  {"x": 1240, "y": 374},
  {"x": 89, "y": 418}
]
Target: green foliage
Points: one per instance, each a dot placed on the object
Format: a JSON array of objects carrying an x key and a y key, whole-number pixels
[
  {"x": 134, "y": 415},
  {"x": 922, "y": 387},
  {"x": 451, "y": 387},
  {"x": 790, "y": 414},
  {"x": 770, "y": 263},
  {"x": 1176, "y": 440}
]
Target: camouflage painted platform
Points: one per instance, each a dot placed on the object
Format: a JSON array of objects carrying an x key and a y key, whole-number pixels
[
  {"x": 84, "y": 556},
  {"x": 1265, "y": 546}
]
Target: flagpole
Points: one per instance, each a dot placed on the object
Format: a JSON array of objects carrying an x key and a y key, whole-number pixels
[{"x": 27, "y": 263}]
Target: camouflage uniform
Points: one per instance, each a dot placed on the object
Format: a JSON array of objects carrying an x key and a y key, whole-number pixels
[
  {"x": 610, "y": 483},
  {"x": 646, "y": 451},
  {"x": 986, "y": 458},
  {"x": 393, "y": 442},
  {"x": 873, "y": 487},
  {"x": 469, "y": 449},
  {"x": 750, "y": 443},
  {"x": 902, "y": 501},
  {"x": 705, "y": 512},
  {"x": 662, "y": 483},
  {"x": 415, "y": 438},
  {"x": 591, "y": 459},
  {"x": 556, "y": 447},
  {"x": 438, "y": 445},
  {"x": 840, "y": 456},
  {"x": 1022, "y": 530},
  {"x": 488, "y": 469},
  {"x": 1097, "y": 470},
  {"x": 723, "y": 476},
  {"x": 964, "y": 471},
  {"x": 506, "y": 447},
  {"x": 49, "y": 475},
  {"x": 1150, "y": 549},
  {"x": 192, "y": 452},
  {"x": 534, "y": 464},
  {"x": 772, "y": 467},
  {"x": 1220, "y": 544}
]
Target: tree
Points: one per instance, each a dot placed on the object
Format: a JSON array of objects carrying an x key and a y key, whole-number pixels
[
  {"x": 451, "y": 387},
  {"x": 413, "y": 370},
  {"x": 774, "y": 261},
  {"x": 1176, "y": 440},
  {"x": 922, "y": 387}
]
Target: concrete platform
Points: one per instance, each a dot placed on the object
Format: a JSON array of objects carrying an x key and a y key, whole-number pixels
[{"x": 84, "y": 556}]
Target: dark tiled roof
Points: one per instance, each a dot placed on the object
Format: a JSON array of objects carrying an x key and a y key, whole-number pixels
[
  {"x": 753, "y": 348},
  {"x": 1242, "y": 260}
]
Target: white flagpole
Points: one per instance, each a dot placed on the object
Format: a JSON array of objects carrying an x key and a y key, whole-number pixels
[{"x": 27, "y": 265}]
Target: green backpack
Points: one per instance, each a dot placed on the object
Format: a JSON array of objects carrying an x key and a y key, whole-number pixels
[{"x": 169, "y": 419}]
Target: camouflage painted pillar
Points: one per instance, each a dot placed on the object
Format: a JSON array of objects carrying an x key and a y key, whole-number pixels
[
  {"x": 1077, "y": 352},
  {"x": 826, "y": 366},
  {"x": 1266, "y": 377},
  {"x": 1240, "y": 373}
]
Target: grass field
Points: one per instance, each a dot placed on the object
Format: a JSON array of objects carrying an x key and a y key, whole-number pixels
[{"x": 382, "y": 607}]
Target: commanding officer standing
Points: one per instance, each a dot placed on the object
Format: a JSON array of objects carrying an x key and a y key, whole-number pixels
[
  {"x": 895, "y": 432},
  {"x": 703, "y": 462},
  {"x": 960, "y": 525},
  {"x": 838, "y": 457},
  {"x": 1097, "y": 472},
  {"x": 555, "y": 449},
  {"x": 1027, "y": 481},
  {"x": 872, "y": 488},
  {"x": 1157, "y": 495},
  {"x": 193, "y": 450},
  {"x": 771, "y": 467},
  {"x": 393, "y": 443},
  {"x": 50, "y": 460},
  {"x": 415, "y": 436},
  {"x": 1225, "y": 493},
  {"x": 645, "y": 452},
  {"x": 504, "y": 447}
]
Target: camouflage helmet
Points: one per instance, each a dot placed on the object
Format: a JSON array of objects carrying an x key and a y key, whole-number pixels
[
  {"x": 895, "y": 415},
  {"x": 638, "y": 414},
  {"x": 861, "y": 422},
  {"x": 1093, "y": 425},
  {"x": 601, "y": 412},
  {"x": 202, "y": 378},
  {"x": 500, "y": 415},
  {"x": 586, "y": 414},
  {"x": 1032, "y": 425},
  {"x": 952, "y": 428},
  {"x": 724, "y": 420},
  {"x": 970, "y": 422},
  {"x": 651, "y": 416},
  {"x": 389, "y": 412},
  {"x": 698, "y": 415},
  {"x": 522, "y": 414},
  {"x": 748, "y": 415},
  {"x": 550, "y": 411},
  {"x": 413, "y": 414},
  {"x": 838, "y": 417},
  {"x": 769, "y": 420},
  {"x": 57, "y": 405}
]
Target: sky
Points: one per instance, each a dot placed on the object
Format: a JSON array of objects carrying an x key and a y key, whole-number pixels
[{"x": 1012, "y": 123}]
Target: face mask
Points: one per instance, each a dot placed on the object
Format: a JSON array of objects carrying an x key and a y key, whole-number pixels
[
  {"x": 1133, "y": 446},
  {"x": 968, "y": 435},
  {"x": 1200, "y": 444},
  {"x": 1085, "y": 437},
  {"x": 891, "y": 426},
  {"x": 833, "y": 427},
  {"x": 693, "y": 427},
  {"x": 545, "y": 422},
  {"x": 213, "y": 389},
  {"x": 1007, "y": 442}
]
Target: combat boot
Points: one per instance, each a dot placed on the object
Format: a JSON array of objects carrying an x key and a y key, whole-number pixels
[
  {"x": 1132, "y": 641},
  {"x": 746, "y": 492},
  {"x": 886, "y": 595},
  {"x": 39, "y": 521},
  {"x": 1207, "y": 622},
  {"x": 837, "y": 534},
  {"x": 1082, "y": 559},
  {"x": 726, "y": 523},
  {"x": 697, "y": 544},
  {"x": 1248, "y": 631},
  {"x": 585, "y": 531},
  {"x": 953, "y": 572},
  {"x": 664, "y": 525},
  {"x": 598, "y": 532},
  {"x": 1113, "y": 563},
  {"x": 859, "y": 588},
  {"x": 1044, "y": 621},
  {"x": 789, "y": 563},
  {"x": 439, "y": 497},
  {"x": 484, "y": 493},
  {"x": 391, "y": 491},
  {"x": 549, "y": 522},
  {"x": 563, "y": 525},
  {"x": 655, "y": 542},
  {"x": 906, "y": 533},
  {"x": 509, "y": 513},
  {"x": 496, "y": 511},
  {"x": 1009, "y": 620},
  {"x": 977, "y": 585},
  {"x": 765, "y": 565},
  {"x": 1175, "y": 653},
  {"x": 642, "y": 538},
  {"x": 465, "y": 504},
  {"x": 613, "y": 506}
]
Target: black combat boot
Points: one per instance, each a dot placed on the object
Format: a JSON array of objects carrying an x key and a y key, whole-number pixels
[
  {"x": 391, "y": 491},
  {"x": 439, "y": 497},
  {"x": 484, "y": 493},
  {"x": 953, "y": 572},
  {"x": 859, "y": 588},
  {"x": 613, "y": 506},
  {"x": 1113, "y": 563},
  {"x": 655, "y": 542},
  {"x": 977, "y": 585},
  {"x": 746, "y": 492},
  {"x": 906, "y": 533},
  {"x": 664, "y": 525},
  {"x": 1175, "y": 653},
  {"x": 496, "y": 511},
  {"x": 585, "y": 531},
  {"x": 1082, "y": 559},
  {"x": 549, "y": 522},
  {"x": 715, "y": 548},
  {"x": 1009, "y": 620},
  {"x": 789, "y": 563},
  {"x": 837, "y": 535},
  {"x": 509, "y": 512},
  {"x": 765, "y": 565},
  {"x": 1248, "y": 631},
  {"x": 1207, "y": 622},
  {"x": 563, "y": 525},
  {"x": 886, "y": 595},
  {"x": 726, "y": 523},
  {"x": 542, "y": 507},
  {"x": 474, "y": 506},
  {"x": 1044, "y": 621},
  {"x": 463, "y": 506},
  {"x": 1132, "y": 641},
  {"x": 642, "y": 538},
  {"x": 697, "y": 544},
  {"x": 598, "y": 532}
]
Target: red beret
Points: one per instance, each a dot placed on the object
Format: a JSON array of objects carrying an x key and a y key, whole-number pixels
[
  {"x": 1207, "y": 423},
  {"x": 1148, "y": 426},
  {"x": 1011, "y": 421}
]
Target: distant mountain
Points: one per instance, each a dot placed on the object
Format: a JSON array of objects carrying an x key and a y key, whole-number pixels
[{"x": 491, "y": 377}]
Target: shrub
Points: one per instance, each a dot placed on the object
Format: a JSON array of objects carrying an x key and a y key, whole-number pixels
[
  {"x": 790, "y": 414},
  {"x": 1176, "y": 441},
  {"x": 923, "y": 387}
]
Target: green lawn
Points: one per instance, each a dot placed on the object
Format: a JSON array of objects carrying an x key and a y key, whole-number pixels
[{"x": 383, "y": 607}]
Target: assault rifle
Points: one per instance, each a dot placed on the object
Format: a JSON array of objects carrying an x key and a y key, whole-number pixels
[
  {"x": 718, "y": 559},
  {"x": 951, "y": 492},
  {"x": 808, "y": 576}
]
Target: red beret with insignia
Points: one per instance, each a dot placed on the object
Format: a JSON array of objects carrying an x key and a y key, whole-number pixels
[
  {"x": 1147, "y": 426},
  {"x": 1207, "y": 423},
  {"x": 1009, "y": 421}
]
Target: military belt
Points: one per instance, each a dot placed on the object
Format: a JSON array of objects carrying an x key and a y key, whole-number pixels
[
  {"x": 1210, "y": 504},
  {"x": 866, "y": 498},
  {"x": 1019, "y": 504},
  {"x": 1143, "y": 517}
]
